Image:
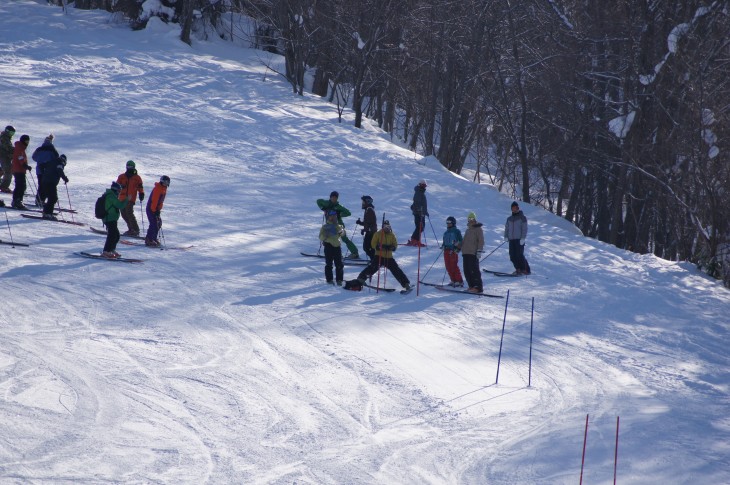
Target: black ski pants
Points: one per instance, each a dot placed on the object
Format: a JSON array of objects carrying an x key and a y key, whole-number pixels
[
  {"x": 367, "y": 245},
  {"x": 517, "y": 255},
  {"x": 332, "y": 255},
  {"x": 471, "y": 271},
  {"x": 389, "y": 263},
  {"x": 50, "y": 192},
  {"x": 112, "y": 236}
]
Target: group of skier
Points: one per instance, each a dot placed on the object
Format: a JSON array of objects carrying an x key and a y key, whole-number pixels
[
  {"x": 118, "y": 200},
  {"x": 379, "y": 245},
  {"x": 14, "y": 164}
]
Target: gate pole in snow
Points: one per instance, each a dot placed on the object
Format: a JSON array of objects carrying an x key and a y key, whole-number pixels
[
  {"x": 532, "y": 319},
  {"x": 504, "y": 322},
  {"x": 615, "y": 454},
  {"x": 583, "y": 460}
]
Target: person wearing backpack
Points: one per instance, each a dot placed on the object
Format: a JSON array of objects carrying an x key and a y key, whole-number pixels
[
  {"x": 52, "y": 175},
  {"x": 154, "y": 208},
  {"x": 131, "y": 186},
  {"x": 44, "y": 154},
  {"x": 333, "y": 203},
  {"x": 112, "y": 205},
  {"x": 330, "y": 234}
]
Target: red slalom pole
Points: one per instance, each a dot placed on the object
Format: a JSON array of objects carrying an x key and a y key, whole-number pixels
[
  {"x": 615, "y": 454},
  {"x": 583, "y": 460}
]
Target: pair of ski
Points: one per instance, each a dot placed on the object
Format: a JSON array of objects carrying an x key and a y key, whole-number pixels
[
  {"x": 501, "y": 273},
  {"x": 386, "y": 290},
  {"x": 456, "y": 290},
  {"x": 30, "y": 216},
  {"x": 100, "y": 257}
]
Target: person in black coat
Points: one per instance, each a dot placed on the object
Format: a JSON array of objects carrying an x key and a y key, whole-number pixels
[
  {"x": 419, "y": 208},
  {"x": 53, "y": 173},
  {"x": 370, "y": 225},
  {"x": 43, "y": 155}
]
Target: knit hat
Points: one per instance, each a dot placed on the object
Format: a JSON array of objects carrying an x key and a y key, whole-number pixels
[
  {"x": 386, "y": 225},
  {"x": 422, "y": 182},
  {"x": 130, "y": 164},
  {"x": 49, "y": 139},
  {"x": 515, "y": 204},
  {"x": 116, "y": 187},
  {"x": 25, "y": 138},
  {"x": 472, "y": 216},
  {"x": 334, "y": 193}
]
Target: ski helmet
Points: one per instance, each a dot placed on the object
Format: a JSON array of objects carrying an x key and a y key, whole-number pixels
[
  {"x": 334, "y": 193},
  {"x": 367, "y": 199},
  {"x": 25, "y": 139},
  {"x": 165, "y": 180},
  {"x": 10, "y": 129},
  {"x": 130, "y": 164},
  {"x": 451, "y": 220},
  {"x": 116, "y": 187}
]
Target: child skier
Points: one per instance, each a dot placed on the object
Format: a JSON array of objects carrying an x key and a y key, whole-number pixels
[
  {"x": 452, "y": 246},
  {"x": 112, "y": 205},
  {"x": 471, "y": 248},
  {"x": 330, "y": 235},
  {"x": 154, "y": 208},
  {"x": 370, "y": 225}
]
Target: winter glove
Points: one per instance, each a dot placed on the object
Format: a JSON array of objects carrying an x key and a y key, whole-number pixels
[
  {"x": 157, "y": 214},
  {"x": 141, "y": 197},
  {"x": 522, "y": 242},
  {"x": 362, "y": 232},
  {"x": 359, "y": 222},
  {"x": 27, "y": 167}
]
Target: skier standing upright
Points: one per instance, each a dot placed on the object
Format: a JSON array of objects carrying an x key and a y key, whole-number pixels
[
  {"x": 6, "y": 159},
  {"x": 154, "y": 209},
  {"x": 20, "y": 167},
  {"x": 131, "y": 186},
  {"x": 370, "y": 225},
  {"x": 330, "y": 235},
  {"x": 419, "y": 208},
  {"x": 452, "y": 246},
  {"x": 471, "y": 247},
  {"x": 515, "y": 231},
  {"x": 333, "y": 204}
]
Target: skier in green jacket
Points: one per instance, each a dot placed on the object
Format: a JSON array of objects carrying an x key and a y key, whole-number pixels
[
  {"x": 333, "y": 204},
  {"x": 113, "y": 205}
]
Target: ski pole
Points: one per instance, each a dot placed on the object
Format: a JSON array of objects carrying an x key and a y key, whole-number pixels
[
  {"x": 380, "y": 251},
  {"x": 9, "y": 231},
  {"x": 434, "y": 231},
  {"x": 35, "y": 189},
  {"x": 493, "y": 250},
  {"x": 162, "y": 235},
  {"x": 69, "y": 202},
  {"x": 141, "y": 215},
  {"x": 432, "y": 264}
]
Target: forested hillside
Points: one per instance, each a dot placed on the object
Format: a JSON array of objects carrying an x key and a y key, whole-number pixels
[{"x": 612, "y": 115}]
